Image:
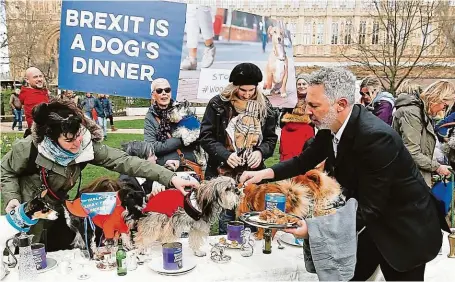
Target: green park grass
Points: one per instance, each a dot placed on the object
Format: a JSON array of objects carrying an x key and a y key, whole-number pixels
[
  {"x": 129, "y": 124},
  {"x": 115, "y": 140}
]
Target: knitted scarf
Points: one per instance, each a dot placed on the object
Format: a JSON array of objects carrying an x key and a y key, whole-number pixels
[
  {"x": 165, "y": 125},
  {"x": 61, "y": 156},
  {"x": 248, "y": 132},
  {"x": 52, "y": 151}
]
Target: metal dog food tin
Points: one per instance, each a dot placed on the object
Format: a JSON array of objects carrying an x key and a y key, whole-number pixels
[
  {"x": 172, "y": 256},
  {"x": 275, "y": 200}
]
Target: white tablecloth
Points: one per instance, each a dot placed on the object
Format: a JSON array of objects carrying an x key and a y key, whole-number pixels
[{"x": 281, "y": 265}]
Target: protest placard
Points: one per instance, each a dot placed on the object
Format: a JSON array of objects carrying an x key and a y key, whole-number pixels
[
  {"x": 102, "y": 203},
  {"x": 212, "y": 82},
  {"x": 119, "y": 47},
  {"x": 237, "y": 37}
]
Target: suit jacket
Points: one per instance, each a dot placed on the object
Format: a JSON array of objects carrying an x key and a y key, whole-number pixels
[{"x": 373, "y": 166}]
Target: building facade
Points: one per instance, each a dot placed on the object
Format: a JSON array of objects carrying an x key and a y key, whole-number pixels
[{"x": 322, "y": 31}]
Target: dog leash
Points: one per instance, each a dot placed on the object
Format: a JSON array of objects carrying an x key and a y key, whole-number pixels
[
  {"x": 92, "y": 226},
  {"x": 44, "y": 175}
]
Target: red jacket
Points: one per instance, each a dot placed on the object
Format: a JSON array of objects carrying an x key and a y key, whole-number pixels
[
  {"x": 294, "y": 134},
  {"x": 30, "y": 97},
  {"x": 166, "y": 202},
  {"x": 112, "y": 224}
]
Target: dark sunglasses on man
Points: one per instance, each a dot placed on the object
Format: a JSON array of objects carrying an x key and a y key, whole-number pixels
[{"x": 160, "y": 90}]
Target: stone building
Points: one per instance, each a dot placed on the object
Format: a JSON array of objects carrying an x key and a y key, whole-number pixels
[{"x": 323, "y": 31}]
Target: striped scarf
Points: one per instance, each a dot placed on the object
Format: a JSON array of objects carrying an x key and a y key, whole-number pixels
[{"x": 248, "y": 132}]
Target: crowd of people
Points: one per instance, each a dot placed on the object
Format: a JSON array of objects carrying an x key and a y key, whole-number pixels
[
  {"x": 381, "y": 150},
  {"x": 34, "y": 92}
]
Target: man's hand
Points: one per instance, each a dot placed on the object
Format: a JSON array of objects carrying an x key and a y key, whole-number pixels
[
  {"x": 172, "y": 164},
  {"x": 300, "y": 232},
  {"x": 180, "y": 183},
  {"x": 234, "y": 160},
  {"x": 253, "y": 177},
  {"x": 443, "y": 170},
  {"x": 12, "y": 204},
  {"x": 254, "y": 159}
]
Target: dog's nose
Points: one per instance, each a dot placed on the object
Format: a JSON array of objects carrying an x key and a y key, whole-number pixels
[{"x": 279, "y": 39}]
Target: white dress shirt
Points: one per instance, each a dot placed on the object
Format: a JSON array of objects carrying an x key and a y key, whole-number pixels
[{"x": 337, "y": 136}]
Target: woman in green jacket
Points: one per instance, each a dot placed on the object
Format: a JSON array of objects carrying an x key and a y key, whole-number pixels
[
  {"x": 413, "y": 121},
  {"x": 63, "y": 141}
]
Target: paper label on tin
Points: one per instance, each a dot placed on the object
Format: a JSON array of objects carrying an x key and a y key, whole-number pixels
[{"x": 177, "y": 256}]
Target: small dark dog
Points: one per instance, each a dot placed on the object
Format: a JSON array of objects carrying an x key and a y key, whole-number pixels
[
  {"x": 24, "y": 216},
  {"x": 130, "y": 203}
]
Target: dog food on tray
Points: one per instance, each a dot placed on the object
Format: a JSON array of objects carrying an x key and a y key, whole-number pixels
[{"x": 277, "y": 216}]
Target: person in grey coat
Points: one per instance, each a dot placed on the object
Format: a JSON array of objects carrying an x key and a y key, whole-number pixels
[
  {"x": 158, "y": 128},
  {"x": 88, "y": 104}
]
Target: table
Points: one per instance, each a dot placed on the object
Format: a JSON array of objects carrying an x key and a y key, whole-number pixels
[{"x": 281, "y": 265}]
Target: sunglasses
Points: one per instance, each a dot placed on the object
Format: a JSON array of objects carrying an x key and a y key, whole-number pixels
[
  {"x": 160, "y": 90},
  {"x": 364, "y": 93}
]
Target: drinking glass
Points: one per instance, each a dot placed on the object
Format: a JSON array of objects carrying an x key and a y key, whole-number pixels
[{"x": 83, "y": 258}]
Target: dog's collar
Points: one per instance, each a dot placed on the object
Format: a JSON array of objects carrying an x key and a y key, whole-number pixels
[
  {"x": 191, "y": 207},
  {"x": 19, "y": 220}
]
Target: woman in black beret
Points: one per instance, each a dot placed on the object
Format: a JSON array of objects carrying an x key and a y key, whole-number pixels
[{"x": 238, "y": 129}]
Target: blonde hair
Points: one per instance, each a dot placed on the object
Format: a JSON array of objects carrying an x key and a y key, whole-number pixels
[
  {"x": 438, "y": 92},
  {"x": 230, "y": 90},
  {"x": 409, "y": 87}
]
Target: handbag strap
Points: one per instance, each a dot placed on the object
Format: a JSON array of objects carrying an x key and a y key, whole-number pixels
[{"x": 179, "y": 152}]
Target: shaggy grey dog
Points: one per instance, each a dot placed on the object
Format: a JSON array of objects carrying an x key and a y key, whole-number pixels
[{"x": 209, "y": 199}]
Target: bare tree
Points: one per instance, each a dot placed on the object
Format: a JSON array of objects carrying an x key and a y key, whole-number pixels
[
  {"x": 3, "y": 37},
  {"x": 448, "y": 26},
  {"x": 406, "y": 36},
  {"x": 27, "y": 35}
]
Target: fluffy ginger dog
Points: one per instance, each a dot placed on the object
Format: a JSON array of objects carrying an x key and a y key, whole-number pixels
[{"x": 309, "y": 195}]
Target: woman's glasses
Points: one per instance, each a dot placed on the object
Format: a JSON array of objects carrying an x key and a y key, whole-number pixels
[{"x": 160, "y": 90}]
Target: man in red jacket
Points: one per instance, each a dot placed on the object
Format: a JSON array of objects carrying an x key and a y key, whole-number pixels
[{"x": 34, "y": 93}]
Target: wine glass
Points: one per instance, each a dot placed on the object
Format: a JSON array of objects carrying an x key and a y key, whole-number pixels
[{"x": 83, "y": 258}]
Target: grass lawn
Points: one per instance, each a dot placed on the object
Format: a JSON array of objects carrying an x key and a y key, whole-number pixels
[
  {"x": 115, "y": 140},
  {"x": 129, "y": 124}
]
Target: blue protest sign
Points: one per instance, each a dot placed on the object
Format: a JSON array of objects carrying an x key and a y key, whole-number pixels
[
  {"x": 102, "y": 203},
  {"x": 119, "y": 47}
]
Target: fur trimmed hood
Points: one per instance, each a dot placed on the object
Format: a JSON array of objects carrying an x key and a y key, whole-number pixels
[
  {"x": 289, "y": 117},
  {"x": 94, "y": 129}
]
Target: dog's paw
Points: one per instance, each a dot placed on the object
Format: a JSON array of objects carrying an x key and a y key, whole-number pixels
[
  {"x": 109, "y": 243},
  {"x": 128, "y": 244},
  {"x": 284, "y": 95},
  {"x": 258, "y": 237},
  {"x": 267, "y": 92},
  {"x": 200, "y": 253}
]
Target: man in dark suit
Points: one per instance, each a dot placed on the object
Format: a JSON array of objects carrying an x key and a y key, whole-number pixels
[{"x": 367, "y": 157}]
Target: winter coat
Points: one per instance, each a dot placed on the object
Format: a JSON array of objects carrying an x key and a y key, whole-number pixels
[
  {"x": 294, "y": 133},
  {"x": 17, "y": 184},
  {"x": 166, "y": 150},
  {"x": 213, "y": 135},
  {"x": 100, "y": 108},
  {"x": 416, "y": 129},
  {"x": 30, "y": 97},
  {"x": 103, "y": 107},
  {"x": 88, "y": 104},
  {"x": 382, "y": 106}
]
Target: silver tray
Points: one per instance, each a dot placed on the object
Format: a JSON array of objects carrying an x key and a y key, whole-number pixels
[{"x": 252, "y": 218}]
